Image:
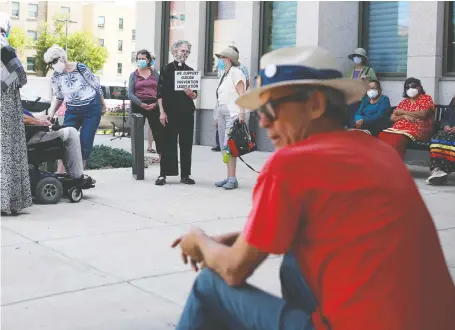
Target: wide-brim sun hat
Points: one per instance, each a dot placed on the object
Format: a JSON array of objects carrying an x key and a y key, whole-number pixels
[
  {"x": 231, "y": 54},
  {"x": 358, "y": 52},
  {"x": 304, "y": 65}
]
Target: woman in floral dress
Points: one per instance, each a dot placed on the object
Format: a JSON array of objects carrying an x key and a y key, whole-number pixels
[
  {"x": 413, "y": 118},
  {"x": 15, "y": 182}
]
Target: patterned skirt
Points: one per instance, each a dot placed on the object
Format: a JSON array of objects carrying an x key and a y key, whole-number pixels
[{"x": 442, "y": 152}]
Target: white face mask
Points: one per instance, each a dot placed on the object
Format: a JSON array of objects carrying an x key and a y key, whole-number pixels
[
  {"x": 412, "y": 92},
  {"x": 372, "y": 93},
  {"x": 357, "y": 60},
  {"x": 59, "y": 67}
]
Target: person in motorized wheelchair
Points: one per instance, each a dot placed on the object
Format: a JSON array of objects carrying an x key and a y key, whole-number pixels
[{"x": 44, "y": 144}]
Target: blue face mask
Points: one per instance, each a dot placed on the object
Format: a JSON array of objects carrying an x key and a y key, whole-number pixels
[
  {"x": 7, "y": 34},
  {"x": 142, "y": 64},
  {"x": 220, "y": 65},
  {"x": 152, "y": 62}
]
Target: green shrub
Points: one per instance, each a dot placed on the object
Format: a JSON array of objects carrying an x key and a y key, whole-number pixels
[{"x": 107, "y": 157}]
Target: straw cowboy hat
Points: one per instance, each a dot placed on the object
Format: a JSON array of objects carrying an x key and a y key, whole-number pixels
[
  {"x": 306, "y": 65},
  {"x": 230, "y": 54},
  {"x": 358, "y": 52}
]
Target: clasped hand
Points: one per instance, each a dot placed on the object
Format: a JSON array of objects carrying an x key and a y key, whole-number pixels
[{"x": 148, "y": 106}]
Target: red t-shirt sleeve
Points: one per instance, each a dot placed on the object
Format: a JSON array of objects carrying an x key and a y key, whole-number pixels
[{"x": 275, "y": 215}]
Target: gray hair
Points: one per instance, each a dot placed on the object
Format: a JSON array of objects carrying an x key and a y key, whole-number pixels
[
  {"x": 179, "y": 43},
  {"x": 55, "y": 52},
  {"x": 5, "y": 22}
]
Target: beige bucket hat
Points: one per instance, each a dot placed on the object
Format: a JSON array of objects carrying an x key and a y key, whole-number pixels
[
  {"x": 305, "y": 65},
  {"x": 358, "y": 52},
  {"x": 230, "y": 54}
]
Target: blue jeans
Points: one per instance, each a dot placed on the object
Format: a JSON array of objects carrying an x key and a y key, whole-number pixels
[
  {"x": 213, "y": 304},
  {"x": 87, "y": 118}
]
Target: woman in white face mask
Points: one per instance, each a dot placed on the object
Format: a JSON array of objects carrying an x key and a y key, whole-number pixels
[
  {"x": 78, "y": 86},
  {"x": 360, "y": 69},
  {"x": 373, "y": 114},
  {"x": 413, "y": 118}
]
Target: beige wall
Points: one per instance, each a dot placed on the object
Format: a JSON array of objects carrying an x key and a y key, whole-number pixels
[{"x": 111, "y": 35}]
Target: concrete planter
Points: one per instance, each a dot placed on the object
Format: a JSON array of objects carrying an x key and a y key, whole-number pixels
[{"x": 107, "y": 121}]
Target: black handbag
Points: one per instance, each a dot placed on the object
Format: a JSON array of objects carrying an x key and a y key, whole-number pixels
[{"x": 241, "y": 142}]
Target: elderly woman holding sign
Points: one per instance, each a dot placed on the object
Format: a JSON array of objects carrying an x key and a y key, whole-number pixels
[{"x": 176, "y": 115}]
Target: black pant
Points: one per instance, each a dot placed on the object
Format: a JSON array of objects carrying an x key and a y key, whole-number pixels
[
  {"x": 153, "y": 118},
  {"x": 180, "y": 126},
  {"x": 217, "y": 138}
]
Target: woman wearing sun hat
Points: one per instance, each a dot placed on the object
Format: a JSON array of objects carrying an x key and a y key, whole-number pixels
[
  {"x": 351, "y": 243},
  {"x": 360, "y": 69},
  {"x": 232, "y": 84}
]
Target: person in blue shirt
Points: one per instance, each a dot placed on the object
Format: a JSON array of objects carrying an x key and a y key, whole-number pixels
[{"x": 373, "y": 114}]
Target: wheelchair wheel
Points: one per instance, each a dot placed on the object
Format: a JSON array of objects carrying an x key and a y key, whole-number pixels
[
  {"x": 49, "y": 190},
  {"x": 75, "y": 195}
]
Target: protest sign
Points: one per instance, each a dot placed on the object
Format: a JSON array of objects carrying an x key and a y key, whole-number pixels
[{"x": 187, "y": 79}]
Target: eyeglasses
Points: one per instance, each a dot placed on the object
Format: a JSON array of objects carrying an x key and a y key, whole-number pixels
[
  {"x": 411, "y": 86},
  {"x": 269, "y": 108}
]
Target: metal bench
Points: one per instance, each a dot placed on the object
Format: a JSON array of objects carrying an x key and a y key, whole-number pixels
[{"x": 425, "y": 145}]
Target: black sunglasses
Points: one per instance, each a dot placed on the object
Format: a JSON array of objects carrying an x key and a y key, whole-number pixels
[
  {"x": 411, "y": 86},
  {"x": 268, "y": 109}
]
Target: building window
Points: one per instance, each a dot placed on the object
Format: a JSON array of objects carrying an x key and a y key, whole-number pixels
[
  {"x": 65, "y": 11},
  {"x": 279, "y": 19},
  {"x": 133, "y": 57},
  {"x": 384, "y": 35},
  {"x": 31, "y": 64},
  {"x": 15, "y": 9},
  {"x": 133, "y": 35},
  {"x": 32, "y": 35},
  {"x": 101, "y": 21},
  {"x": 33, "y": 11},
  {"x": 120, "y": 46},
  {"x": 221, "y": 30},
  {"x": 119, "y": 68},
  {"x": 174, "y": 25},
  {"x": 120, "y": 23},
  {"x": 101, "y": 41},
  {"x": 449, "y": 47}
]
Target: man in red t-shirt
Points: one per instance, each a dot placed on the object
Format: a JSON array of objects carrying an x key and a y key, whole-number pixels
[{"x": 361, "y": 250}]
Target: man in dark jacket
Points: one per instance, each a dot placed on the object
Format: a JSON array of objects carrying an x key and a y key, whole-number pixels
[{"x": 177, "y": 116}]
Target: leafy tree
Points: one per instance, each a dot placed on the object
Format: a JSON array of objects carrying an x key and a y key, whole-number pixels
[
  {"x": 82, "y": 48},
  {"x": 19, "y": 40}
]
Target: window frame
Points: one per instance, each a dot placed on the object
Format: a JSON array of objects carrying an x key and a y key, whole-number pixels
[
  {"x": 18, "y": 9},
  {"x": 121, "y": 23},
  {"x": 66, "y": 7},
  {"x": 448, "y": 5},
  {"x": 120, "y": 45},
  {"x": 104, "y": 21},
  {"x": 363, "y": 41},
  {"x": 133, "y": 35},
  {"x": 99, "y": 42},
  {"x": 35, "y": 34},
  {"x": 133, "y": 57},
  {"x": 263, "y": 35},
  {"x": 34, "y": 63},
  {"x": 119, "y": 66},
  {"x": 28, "y": 11},
  {"x": 209, "y": 35},
  {"x": 165, "y": 32}
]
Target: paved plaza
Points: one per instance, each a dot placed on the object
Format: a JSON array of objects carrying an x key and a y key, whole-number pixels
[{"x": 106, "y": 263}]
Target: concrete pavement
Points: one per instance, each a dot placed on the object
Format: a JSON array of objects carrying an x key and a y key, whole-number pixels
[{"x": 105, "y": 263}]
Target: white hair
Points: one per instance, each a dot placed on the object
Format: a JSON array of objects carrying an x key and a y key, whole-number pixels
[
  {"x": 55, "y": 52},
  {"x": 5, "y": 22},
  {"x": 179, "y": 43}
]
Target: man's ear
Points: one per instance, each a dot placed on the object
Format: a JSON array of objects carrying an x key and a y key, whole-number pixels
[{"x": 317, "y": 105}]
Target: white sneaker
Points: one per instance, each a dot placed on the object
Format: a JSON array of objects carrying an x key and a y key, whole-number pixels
[{"x": 436, "y": 176}]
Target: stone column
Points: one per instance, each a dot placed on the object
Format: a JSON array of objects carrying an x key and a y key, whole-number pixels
[
  {"x": 425, "y": 45},
  {"x": 148, "y": 27}
]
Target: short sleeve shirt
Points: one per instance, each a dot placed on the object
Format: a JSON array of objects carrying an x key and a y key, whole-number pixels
[
  {"x": 227, "y": 92},
  {"x": 363, "y": 237}
]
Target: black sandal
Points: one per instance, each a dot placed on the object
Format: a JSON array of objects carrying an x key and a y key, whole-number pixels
[{"x": 161, "y": 181}]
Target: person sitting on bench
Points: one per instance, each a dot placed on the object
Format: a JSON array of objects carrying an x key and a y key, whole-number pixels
[
  {"x": 69, "y": 136},
  {"x": 360, "y": 248}
]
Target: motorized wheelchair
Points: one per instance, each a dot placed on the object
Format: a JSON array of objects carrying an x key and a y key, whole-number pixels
[{"x": 48, "y": 187}]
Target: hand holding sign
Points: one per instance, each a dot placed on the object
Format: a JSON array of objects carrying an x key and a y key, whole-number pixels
[
  {"x": 187, "y": 80},
  {"x": 190, "y": 93}
]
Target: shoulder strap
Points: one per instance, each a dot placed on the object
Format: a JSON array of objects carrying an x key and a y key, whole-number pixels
[
  {"x": 248, "y": 165},
  {"x": 368, "y": 70},
  {"x": 221, "y": 81}
]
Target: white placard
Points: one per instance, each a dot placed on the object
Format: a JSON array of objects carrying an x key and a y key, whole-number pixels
[{"x": 187, "y": 79}]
